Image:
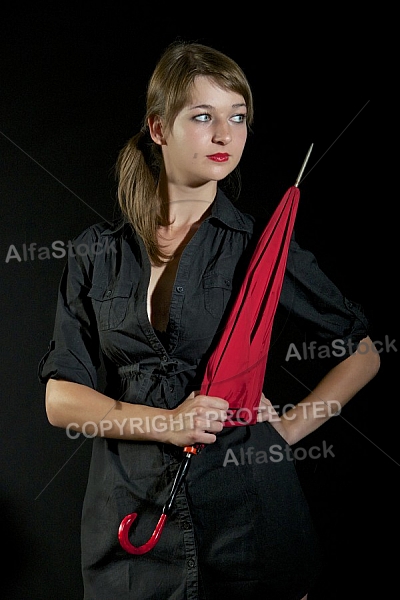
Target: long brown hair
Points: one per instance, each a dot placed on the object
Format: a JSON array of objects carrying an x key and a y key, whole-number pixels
[{"x": 168, "y": 92}]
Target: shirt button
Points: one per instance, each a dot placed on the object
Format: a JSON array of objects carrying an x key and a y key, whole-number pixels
[
  {"x": 187, "y": 525},
  {"x": 191, "y": 563},
  {"x": 108, "y": 293},
  {"x": 179, "y": 289}
]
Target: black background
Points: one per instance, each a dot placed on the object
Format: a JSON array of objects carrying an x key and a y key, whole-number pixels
[{"x": 72, "y": 92}]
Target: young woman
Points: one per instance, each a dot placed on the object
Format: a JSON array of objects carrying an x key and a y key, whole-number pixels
[{"x": 147, "y": 300}]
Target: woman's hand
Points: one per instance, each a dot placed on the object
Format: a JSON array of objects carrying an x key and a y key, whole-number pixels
[
  {"x": 266, "y": 412},
  {"x": 197, "y": 420}
]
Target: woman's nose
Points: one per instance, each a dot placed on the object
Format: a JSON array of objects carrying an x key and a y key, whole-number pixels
[{"x": 222, "y": 134}]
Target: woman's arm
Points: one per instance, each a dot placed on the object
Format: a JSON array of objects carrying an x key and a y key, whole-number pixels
[
  {"x": 334, "y": 390},
  {"x": 80, "y": 408}
]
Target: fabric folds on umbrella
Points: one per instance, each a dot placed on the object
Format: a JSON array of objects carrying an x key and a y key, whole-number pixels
[{"x": 236, "y": 368}]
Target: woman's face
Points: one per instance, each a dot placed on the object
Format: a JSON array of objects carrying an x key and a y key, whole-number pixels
[{"x": 207, "y": 138}]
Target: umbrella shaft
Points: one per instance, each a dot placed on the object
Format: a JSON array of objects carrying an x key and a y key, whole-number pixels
[{"x": 179, "y": 478}]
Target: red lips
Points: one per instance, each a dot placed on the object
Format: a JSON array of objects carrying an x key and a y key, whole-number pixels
[{"x": 220, "y": 157}]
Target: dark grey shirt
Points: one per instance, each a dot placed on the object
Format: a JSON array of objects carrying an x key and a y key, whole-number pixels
[{"x": 236, "y": 529}]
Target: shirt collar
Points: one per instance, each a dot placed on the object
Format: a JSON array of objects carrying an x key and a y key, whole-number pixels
[
  {"x": 226, "y": 212},
  {"x": 222, "y": 209}
]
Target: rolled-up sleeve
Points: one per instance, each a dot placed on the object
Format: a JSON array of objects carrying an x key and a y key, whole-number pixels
[
  {"x": 317, "y": 303},
  {"x": 73, "y": 352}
]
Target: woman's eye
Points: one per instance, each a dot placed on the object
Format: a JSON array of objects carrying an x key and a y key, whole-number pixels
[
  {"x": 239, "y": 118},
  {"x": 202, "y": 118}
]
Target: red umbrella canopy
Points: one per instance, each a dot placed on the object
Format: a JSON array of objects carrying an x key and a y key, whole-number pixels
[{"x": 236, "y": 368}]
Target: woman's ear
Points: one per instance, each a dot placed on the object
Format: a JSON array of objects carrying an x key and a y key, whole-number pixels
[{"x": 156, "y": 130}]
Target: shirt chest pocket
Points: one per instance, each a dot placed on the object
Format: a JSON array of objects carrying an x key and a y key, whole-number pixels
[
  {"x": 217, "y": 291},
  {"x": 110, "y": 304}
]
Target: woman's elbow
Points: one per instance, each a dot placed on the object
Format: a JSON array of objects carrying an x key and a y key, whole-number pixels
[
  {"x": 372, "y": 359},
  {"x": 53, "y": 403}
]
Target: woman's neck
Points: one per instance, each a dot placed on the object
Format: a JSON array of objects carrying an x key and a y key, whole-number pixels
[{"x": 185, "y": 206}]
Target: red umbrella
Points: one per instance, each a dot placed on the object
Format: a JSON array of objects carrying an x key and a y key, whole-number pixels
[{"x": 236, "y": 369}]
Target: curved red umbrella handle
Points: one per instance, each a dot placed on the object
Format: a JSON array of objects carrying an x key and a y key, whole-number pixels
[
  {"x": 126, "y": 523},
  {"x": 123, "y": 534}
]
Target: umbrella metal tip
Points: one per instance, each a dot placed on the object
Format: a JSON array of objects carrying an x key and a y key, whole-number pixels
[{"x": 303, "y": 166}]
